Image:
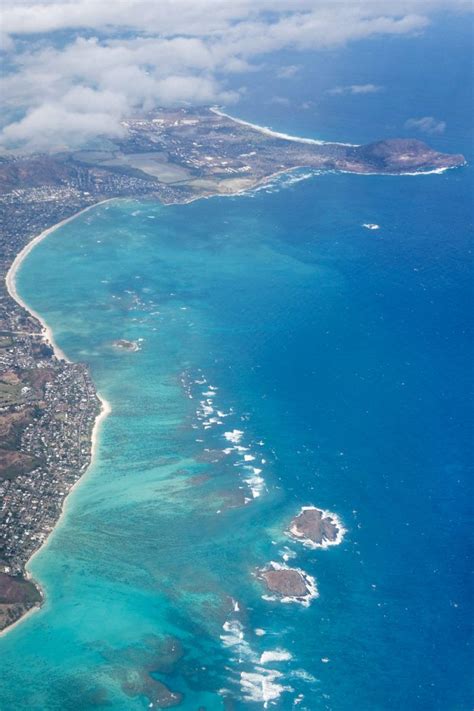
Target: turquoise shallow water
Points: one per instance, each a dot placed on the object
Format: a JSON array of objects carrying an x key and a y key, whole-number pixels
[{"x": 342, "y": 356}]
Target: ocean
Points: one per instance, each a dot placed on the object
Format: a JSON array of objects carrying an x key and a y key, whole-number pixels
[{"x": 288, "y": 356}]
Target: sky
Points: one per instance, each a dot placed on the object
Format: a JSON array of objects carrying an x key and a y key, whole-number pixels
[{"x": 74, "y": 69}]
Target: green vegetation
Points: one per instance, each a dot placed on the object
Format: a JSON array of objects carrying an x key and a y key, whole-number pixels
[{"x": 10, "y": 394}]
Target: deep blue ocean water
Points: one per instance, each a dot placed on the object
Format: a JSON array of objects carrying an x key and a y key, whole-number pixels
[{"x": 344, "y": 356}]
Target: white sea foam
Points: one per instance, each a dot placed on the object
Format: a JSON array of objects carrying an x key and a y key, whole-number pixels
[
  {"x": 287, "y": 554},
  {"x": 303, "y": 675},
  {"x": 262, "y": 685},
  {"x": 371, "y": 226},
  {"x": 276, "y": 134},
  {"x": 233, "y": 436},
  {"x": 257, "y": 682},
  {"x": 435, "y": 171},
  {"x": 206, "y": 407},
  {"x": 276, "y": 655},
  {"x": 210, "y": 416},
  {"x": 214, "y": 421},
  {"x": 255, "y": 482},
  {"x": 283, "y": 179},
  {"x": 233, "y": 638},
  {"x": 233, "y": 633}
]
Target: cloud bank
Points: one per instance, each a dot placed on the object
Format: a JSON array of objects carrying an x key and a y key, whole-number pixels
[
  {"x": 355, "y": 89},
  {"x": 426, "y": 124},
  {"x": 75, "y": 68}
]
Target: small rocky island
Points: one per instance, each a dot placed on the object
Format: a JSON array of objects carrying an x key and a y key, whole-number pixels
[
  {"x": 316, "y": 528},
  {"x": 49, "y": 405},
  {"x": 124, "y": 345},
  {"x": 287, "y": 584}
]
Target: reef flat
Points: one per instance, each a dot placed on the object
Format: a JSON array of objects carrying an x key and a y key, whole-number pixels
[{"x": 48, "y": 406}]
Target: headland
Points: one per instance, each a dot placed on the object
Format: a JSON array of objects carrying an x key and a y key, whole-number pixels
[{"x": 173, "y": 156}]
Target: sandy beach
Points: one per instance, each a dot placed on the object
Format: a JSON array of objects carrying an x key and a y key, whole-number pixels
[
  {"x": 49, "y": 338},
  {"x": 10, "y": 278},
  {"x": 104, "y": 412},
  {"x": 277, "y": 134},
  {"x": 24, "y": 617}
]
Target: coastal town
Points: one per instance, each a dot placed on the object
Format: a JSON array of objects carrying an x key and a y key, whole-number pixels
[
  {"x": 48, "y": 409},
  {"x": 48, "y": 406}
]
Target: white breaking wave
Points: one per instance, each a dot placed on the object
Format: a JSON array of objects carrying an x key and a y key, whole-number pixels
[
  {"x": 277, "y": 134},
  {"x": 277, "y": 655},
  {"x": 233, "y": 637},
  {"x": 234, "y": 436},
  {"x": 303, "y": 675},
  {"x": 257, "y": 683},
  {"x": 262, "y": 685},
  {"x": 285, "y": 179},
  {"x": 255, "y": 482},
  {"x": 287, "y": 554},
  {"x": 209, "y": 416},
  {"x": 435, "y": 171}
]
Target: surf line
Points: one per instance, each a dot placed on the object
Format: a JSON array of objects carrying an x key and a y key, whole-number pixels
[{"x": 48, "y": 337}]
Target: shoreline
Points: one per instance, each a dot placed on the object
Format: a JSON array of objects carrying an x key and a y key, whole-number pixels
[
  {"x": 319, "y": 142},
  {"x": 105, "y": 407},
  {"x": 278, "y": 134},
  {"x": 293, "y": 532},
  {"x": 28, "y": 613},
  {"x": 105, "y": 411},
  {"x": 10, "y": 278},
  {"x": 259, "y": 184}
]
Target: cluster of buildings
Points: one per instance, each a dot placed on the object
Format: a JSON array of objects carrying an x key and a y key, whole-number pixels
[
  {"x": 208, "y": 145},
  {"x": 48, "y": 406},
  {"x": 47, "y": 409},
  {"x": 57, "y": 438}
]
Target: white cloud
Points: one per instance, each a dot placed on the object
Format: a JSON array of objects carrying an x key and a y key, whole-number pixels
[
  {"x": 426, "y": 124},
  {"x": 54, "y": 126},
  {"x": 6, "y": 42},
  {"x": 279, "y": 101},
  {"x": 199, "y": 17},
  {"x": 147, "y": 53},
  {"x": 288, "y": 72},
  {"x": 355, "y": 89}
]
